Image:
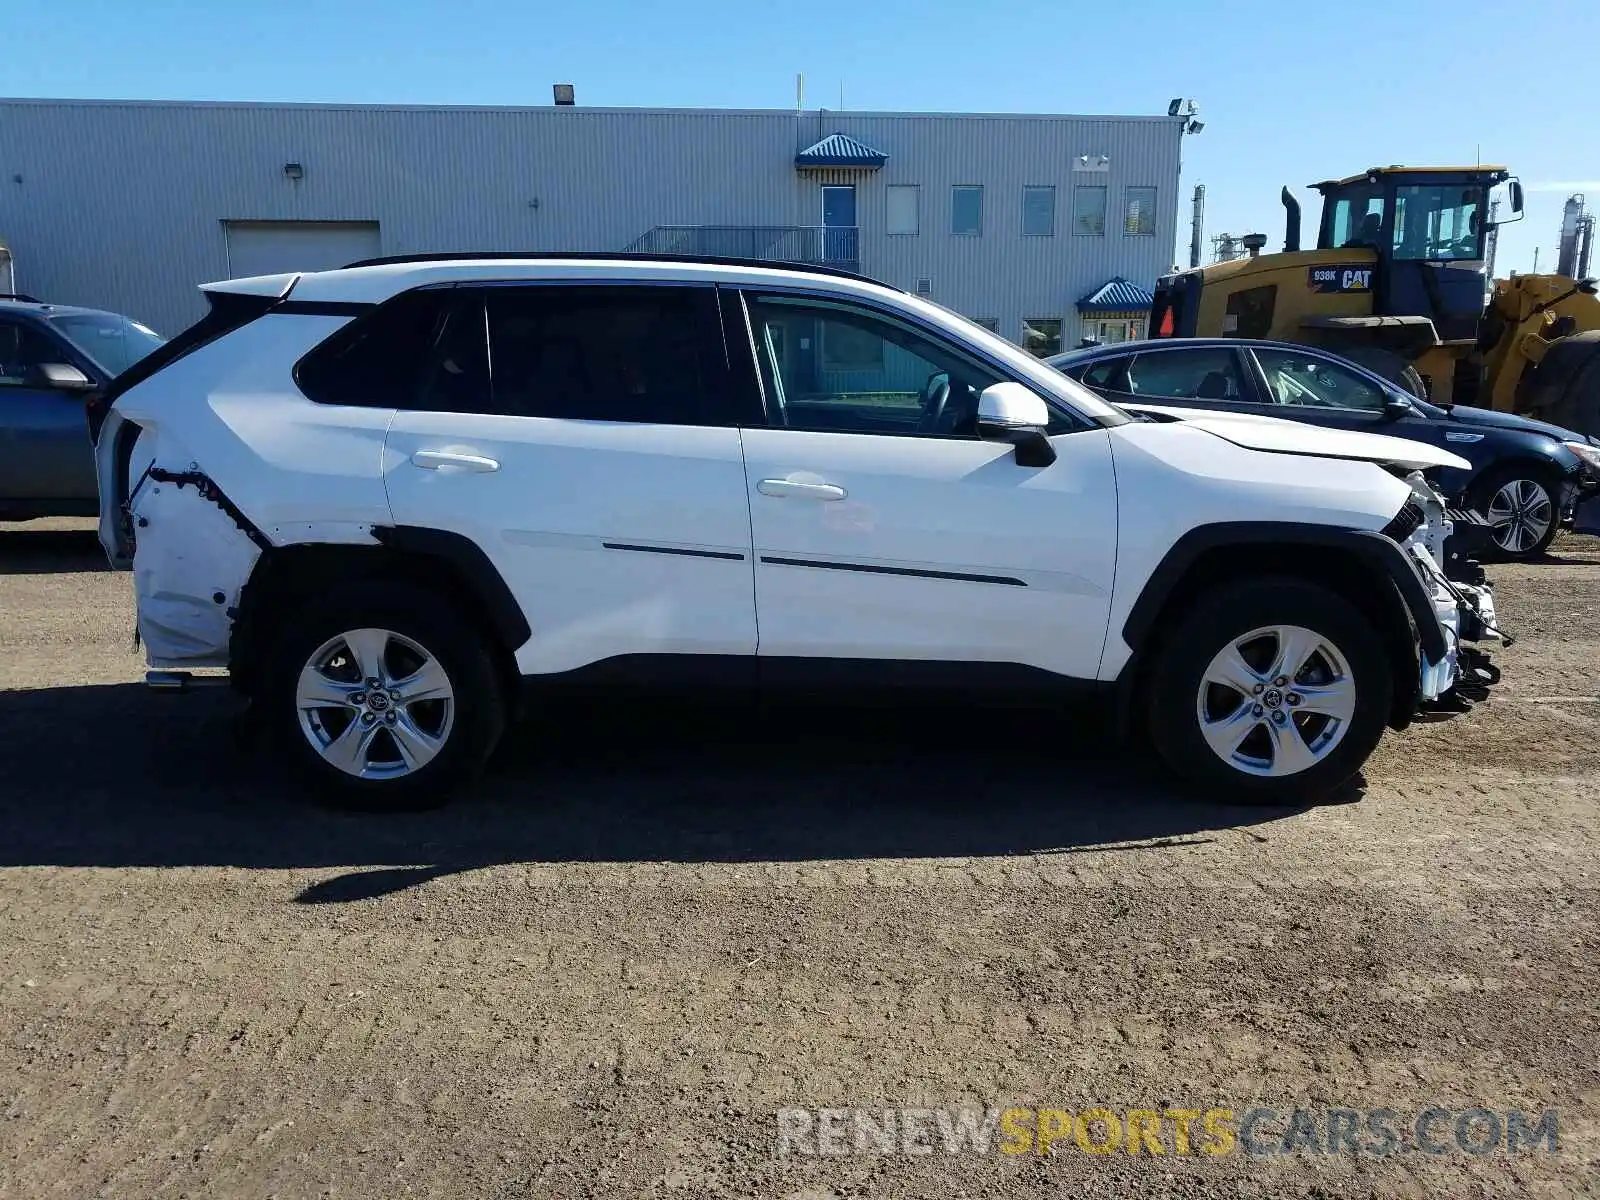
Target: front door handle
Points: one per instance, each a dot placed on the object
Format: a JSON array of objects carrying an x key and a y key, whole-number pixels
[
  {"x": 450, "y": 460},
  {"x": 800, "y": 491}
]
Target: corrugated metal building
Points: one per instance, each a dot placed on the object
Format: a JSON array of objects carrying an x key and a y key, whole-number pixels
[{"x": 1013, "y": 220}]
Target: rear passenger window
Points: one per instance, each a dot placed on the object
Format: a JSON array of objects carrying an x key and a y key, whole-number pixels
[
  {"x": 379, "y": 359},
  {"x": 455, "y": 368},
  {"x": 1103, "y": 374},
  {"x": 601, "y": 353},
  {"x": 1201, "y": 374}
]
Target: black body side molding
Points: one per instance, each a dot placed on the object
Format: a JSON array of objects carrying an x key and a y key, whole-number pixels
[
  {"x": 876, "y": 569},
  {"x": 480, "y": 574},
  {"x": 1375, "y": 549}
]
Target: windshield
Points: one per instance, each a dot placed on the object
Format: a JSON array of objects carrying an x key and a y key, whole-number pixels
[
  {"x": 1438, "y": 222},
  {"x": 113, "y": 343},
  {"x": 1356, "y": 219}
]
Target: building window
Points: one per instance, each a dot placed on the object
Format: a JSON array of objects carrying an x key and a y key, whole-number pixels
[
  {"x": 1139, "y": 212},
  {"x": 1114, "y": 329},
  {"x": 904, "y": 202},
  {"x": 1041, "y": 336},
  {"x": 966, "y": 209},
  {"x": 1089, "y": 210},
  {"x": 992, "y": 324},
  {"x": 1038, "y": 211}
]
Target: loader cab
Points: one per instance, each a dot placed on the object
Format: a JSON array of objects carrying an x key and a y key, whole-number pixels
[{"x": 1428, "y": 228}]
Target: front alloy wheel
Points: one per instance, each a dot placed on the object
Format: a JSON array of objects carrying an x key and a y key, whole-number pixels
[
  {"x": 1520, "y": 513},
  {"x": 375, "y": 704},
  {"x": 1273, "y": 690},
  {"x": 1276, "y": 701}
]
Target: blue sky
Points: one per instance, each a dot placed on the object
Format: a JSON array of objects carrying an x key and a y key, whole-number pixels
[{"x": 1290, "y": 92}]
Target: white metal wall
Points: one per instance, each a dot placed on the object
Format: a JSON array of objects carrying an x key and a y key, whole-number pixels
[{"x": 134, "y": 216}]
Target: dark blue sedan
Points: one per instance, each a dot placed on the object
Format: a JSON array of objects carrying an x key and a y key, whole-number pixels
[{"x": 1527, "y": 477}]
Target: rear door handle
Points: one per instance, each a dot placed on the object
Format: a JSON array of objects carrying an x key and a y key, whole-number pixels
[
  {"x": 801, "y": 491},
  {"x": 450, "y": 460}
]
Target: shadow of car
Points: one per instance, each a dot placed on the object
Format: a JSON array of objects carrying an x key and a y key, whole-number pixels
[{"x": 701, "y": 782}]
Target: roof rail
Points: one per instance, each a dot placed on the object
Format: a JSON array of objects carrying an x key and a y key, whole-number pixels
[
  {"x": 23, "y": 296},
  {"x": 712, "y": 260}
]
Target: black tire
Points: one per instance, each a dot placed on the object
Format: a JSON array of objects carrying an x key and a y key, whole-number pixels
[
  {"x": 1390, "y": 365},
  {"x": 1565, "y": 386},
  {"x": 426, "y": 619},
  {"x": 1221, "y": 617},
  {"x": 1480, "y": 496}
]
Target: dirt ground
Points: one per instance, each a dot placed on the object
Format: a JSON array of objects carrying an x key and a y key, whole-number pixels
[{"x": 602, "y": 975}]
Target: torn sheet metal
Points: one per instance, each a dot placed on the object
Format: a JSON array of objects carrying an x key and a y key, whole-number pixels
[{"x": 193, "y": 553}]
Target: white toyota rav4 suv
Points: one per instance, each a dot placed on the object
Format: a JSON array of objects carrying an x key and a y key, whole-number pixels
[{"x": 386, "y": 495}]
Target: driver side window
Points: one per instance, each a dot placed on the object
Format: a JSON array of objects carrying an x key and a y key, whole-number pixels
[
  {"x": 22, "y": 352},
  {"x": 832, "y": 368},
  {"x": 1305, "y": 379}
]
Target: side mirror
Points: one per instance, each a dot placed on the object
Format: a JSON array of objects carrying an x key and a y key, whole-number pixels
[
  {"x": 1009, "y": 412},
  {"x": 1514, "y": 199},
  {"x": 1395, "y": 408},
  {"x": 64, "y": 377}
]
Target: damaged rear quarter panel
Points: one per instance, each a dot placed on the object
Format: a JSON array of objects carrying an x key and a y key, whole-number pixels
[{"x": 240, "y": 450}]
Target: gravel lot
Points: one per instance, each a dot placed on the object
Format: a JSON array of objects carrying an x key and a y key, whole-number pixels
[{"x": 603, "y": 976}]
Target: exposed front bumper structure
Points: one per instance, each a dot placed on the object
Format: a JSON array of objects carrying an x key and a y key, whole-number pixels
[{"x": 1462, "y": 599}]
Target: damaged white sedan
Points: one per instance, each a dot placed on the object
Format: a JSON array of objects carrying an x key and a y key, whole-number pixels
[{"x": 390, "y": 499}]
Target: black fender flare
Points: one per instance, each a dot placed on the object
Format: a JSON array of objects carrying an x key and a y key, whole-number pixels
[
  {"x": 474, "y": 568},
  {"x": 1383, "y": 553}
]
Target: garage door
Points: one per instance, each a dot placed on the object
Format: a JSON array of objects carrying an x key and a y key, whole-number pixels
[{"x": 271, "y": 247}]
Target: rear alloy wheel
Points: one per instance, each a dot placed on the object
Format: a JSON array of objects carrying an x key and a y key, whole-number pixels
[
  {"x": 375, "y": 704},
  {"x": 384, "y": 695},
  {"x": 1522, "y": 512},
  {"x": 1276, "y": 690}
]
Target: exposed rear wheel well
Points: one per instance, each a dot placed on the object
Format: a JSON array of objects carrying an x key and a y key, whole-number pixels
[
  {"x": 286, "y": 577},
  {"x": 1342, "y": 571}
]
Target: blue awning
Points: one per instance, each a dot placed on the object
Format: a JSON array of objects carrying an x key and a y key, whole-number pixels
[
  {"x": 1118, "y": 296},
  {"x": 841, "y": 150}
]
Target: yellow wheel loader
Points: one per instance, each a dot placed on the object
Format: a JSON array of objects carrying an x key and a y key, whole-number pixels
[{"x": 1397, "y": 282}]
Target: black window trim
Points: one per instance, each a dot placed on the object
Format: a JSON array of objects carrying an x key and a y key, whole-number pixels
[
  {"x": 751, "y": 383},
  {"x": 1259, "y": 382}
]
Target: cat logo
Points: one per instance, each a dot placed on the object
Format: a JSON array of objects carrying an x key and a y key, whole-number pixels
[{"x": 1340, "y": 279}]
